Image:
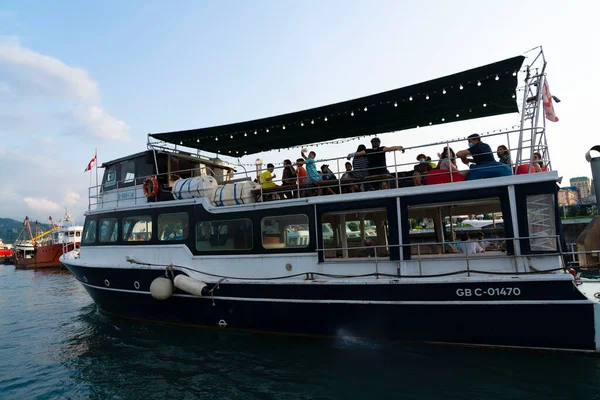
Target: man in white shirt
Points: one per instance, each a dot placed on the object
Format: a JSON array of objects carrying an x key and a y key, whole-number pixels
[{"x": 466, "y": 246}]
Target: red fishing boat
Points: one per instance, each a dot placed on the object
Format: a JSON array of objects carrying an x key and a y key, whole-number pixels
[
  {"x": 44, "y": 250},
  {"x": 5, "y": 253}
]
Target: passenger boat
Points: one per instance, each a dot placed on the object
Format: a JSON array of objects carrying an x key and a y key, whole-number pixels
[
  {"x": 45, "y": 249},
  {"x": 177, "y": 237},
  {"x": 5, "y": 252}
]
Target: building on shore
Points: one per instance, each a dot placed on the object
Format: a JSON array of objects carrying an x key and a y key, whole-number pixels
[
  {"x": 568, "y": 196},
  {"x": 584, "y": 189}
]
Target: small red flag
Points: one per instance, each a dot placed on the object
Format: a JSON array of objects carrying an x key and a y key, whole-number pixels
[{"x": 91, "y": 164}]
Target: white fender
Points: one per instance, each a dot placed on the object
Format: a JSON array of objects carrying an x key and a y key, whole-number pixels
[
  {"x": 189, "y": 285},
  {"x": 161, "y": 288}
]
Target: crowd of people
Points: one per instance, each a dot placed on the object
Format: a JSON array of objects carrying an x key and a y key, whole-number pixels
[{"x": 372, "y": 162}]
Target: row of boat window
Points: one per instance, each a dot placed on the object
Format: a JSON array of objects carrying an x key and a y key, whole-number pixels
[
  {"x": 286, "y": 231},
  {"x": 345, "y": 234}
]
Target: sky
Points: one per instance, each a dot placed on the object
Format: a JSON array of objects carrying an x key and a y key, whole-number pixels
[{"x": 79, "y": 76}]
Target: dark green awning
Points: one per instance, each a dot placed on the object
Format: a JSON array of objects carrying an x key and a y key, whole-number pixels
[{"x": 479, "y": 92}]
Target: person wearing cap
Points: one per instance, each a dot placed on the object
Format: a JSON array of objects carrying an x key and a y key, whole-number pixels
[
  {"x": 326, "y": 173},
  {"x": 421, "y": 169},
  {"x": 482, "y": 162}
]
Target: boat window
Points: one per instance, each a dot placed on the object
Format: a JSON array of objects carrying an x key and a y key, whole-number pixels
[
  {"x": 235, "y": 234},
  {"x": 440, "y": 228},
  {"x": 89, "y": 231},
  {"x": 110, "y": 178},
  {"x": 109, "y": 230},
  {"x": 285, "y": 231},
  {"x": 541, "y": 222},
  {"x": 78, "y": 234},
  {"x": 173, "y": 226},
  {"x": 356, "y": 233},
  {"x": 127, "y": 172},
  {"x": 138, "y": 228}
]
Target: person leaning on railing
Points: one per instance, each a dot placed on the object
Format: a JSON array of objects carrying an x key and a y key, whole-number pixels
[{"x": 376, "y": 157}]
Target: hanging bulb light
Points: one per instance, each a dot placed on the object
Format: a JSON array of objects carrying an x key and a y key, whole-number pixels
[
  {"x": 366, "y": 109},
  {"x": 325, "y": 119},
  {"x": 301, "y": 123},
  {"x": 457, "y": 115},
  {"x": 429, "y": 122},
  {"x": 267, "y": 130},
  {"x": 410, "y": 98},
  {"x": 497, "y": 77},
  {"x": 216, "y": 139},
  {"x": 443, "y": 119},
  {"x": 513, "y": 96},
  {"x": 461, "y": 87},
  {"x": 443, "y": 91},
  {"x": 283, "y": 127},
  {"x": 245, "y": 134},
  {"x": 230, "y": 136},
  {"x": 395, "y": 104},
  {"x": 197, "y": 140},
  {"x": 485, "y": 105},
  {"x": 427, "y": 97},
  {"x": 478, "y": 83},
  {"x": 312, "y": 121},
  {"x": 514, "y": 73},
  {"x": 352, "y": 114},
  {"x": 255, "y": 132}
]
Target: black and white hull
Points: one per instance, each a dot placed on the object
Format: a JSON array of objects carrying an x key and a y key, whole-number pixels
[{"x": 537, "y": 312}]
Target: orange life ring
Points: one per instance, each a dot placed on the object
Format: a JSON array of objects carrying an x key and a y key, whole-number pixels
[{"x": 150, "y": 186}]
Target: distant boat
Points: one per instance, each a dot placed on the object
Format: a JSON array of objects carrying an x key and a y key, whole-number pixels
[
  {"x": 44, "y": 250},
  {"x": 5, "y": 252}
]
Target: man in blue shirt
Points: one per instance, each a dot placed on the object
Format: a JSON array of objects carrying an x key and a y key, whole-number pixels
[{"x": 483, "y": 163}]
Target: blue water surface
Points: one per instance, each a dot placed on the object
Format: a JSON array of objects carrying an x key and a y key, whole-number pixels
[{"x": 54, "y": 343}]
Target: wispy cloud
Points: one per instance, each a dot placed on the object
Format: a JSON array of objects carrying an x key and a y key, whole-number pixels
[
  {"x": 47, "y": 87},
  {"x": 41, "y": 205}
]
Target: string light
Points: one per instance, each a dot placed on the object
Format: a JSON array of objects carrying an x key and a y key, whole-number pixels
[
  {"x": 443, "y": 91},
  {"x": 515, "y": 73},
  {"x": 301, "y": 123},
  {"x": 395, "y": 104},
  {"x": 181, "y": 143},
  {"x": 365, "y": 108},
  {"x": 312, "y": 121},
  {"x": 461, "y": 87},
  {"x": 410, "y": 98},
  {"x": 485, "y": 105},
  {"x": 267, "y": 130},
  {"x": 197, "y": 140},
  {"x": 478, "y": 83},
  {"x": 325, "y": 119},
  {"x": 427, "y": 97},
  {"x": 497, "y": 77},
  {"x": 352, "y": 114},
  {"x": 245, "y": 134},
  {"x": 230, "y": 136},
  {"x": 457, "y": 115},
  {"x": 255, "y": 132},
  {"x": 216, "y": 139},
  {"x": 443, "y": 119},
  {"x": 283, "y": 127}
]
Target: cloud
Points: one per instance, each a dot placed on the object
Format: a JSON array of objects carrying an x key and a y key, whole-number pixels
[
  {"x": 41, "y": 205},
  {"x": 72, "y": 198},
  {"x": 47, "y": 89}
]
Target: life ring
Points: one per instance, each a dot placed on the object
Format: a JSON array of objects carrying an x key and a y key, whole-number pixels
[{"x": 150, "y": 186}]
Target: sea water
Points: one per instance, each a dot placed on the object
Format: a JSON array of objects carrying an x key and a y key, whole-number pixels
[{"x": 55, "y": 343}]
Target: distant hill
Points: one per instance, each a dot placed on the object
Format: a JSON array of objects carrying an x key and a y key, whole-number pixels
[{"x": 10, "y": 229}]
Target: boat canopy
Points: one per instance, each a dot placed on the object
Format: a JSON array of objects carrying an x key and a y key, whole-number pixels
[{"x": 480, "y": 92}]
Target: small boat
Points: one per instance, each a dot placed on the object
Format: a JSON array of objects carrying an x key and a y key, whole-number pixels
[
  {"x": 45, "y": 249},
  {"x": 5, "y": 253}
]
